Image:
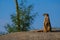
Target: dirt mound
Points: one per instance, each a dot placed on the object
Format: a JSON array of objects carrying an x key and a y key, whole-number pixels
[{"x": 31, "y": 36}]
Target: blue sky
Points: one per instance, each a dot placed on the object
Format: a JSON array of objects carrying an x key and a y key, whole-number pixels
[{"x": 52, "y": 7}]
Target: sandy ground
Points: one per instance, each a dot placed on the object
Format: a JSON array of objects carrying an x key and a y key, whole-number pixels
[{"x": 31, "y": 36}]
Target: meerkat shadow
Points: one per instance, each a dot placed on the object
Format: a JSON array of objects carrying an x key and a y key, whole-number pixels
[{"x": 55, "y": 31}]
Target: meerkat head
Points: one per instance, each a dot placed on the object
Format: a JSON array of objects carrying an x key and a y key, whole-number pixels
[{"x": 45, "y": 14}]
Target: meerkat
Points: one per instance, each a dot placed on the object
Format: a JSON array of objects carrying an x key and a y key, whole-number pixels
[{"x": 47, "y": 25}]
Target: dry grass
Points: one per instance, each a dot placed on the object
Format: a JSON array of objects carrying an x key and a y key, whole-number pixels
[{"x": 31, "y": 36}]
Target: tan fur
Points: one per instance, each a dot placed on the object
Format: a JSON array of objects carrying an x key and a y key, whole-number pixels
[{"x": 47, "y": 25}]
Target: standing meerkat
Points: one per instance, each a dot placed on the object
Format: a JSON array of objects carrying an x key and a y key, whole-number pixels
[{"x": 47, "y": 25}]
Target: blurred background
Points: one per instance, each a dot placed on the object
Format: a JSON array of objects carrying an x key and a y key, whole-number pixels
[{"x": 52, "y": 7}]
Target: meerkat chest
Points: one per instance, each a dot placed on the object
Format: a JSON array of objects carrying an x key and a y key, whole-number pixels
[{"x": 46, "y": 19}]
